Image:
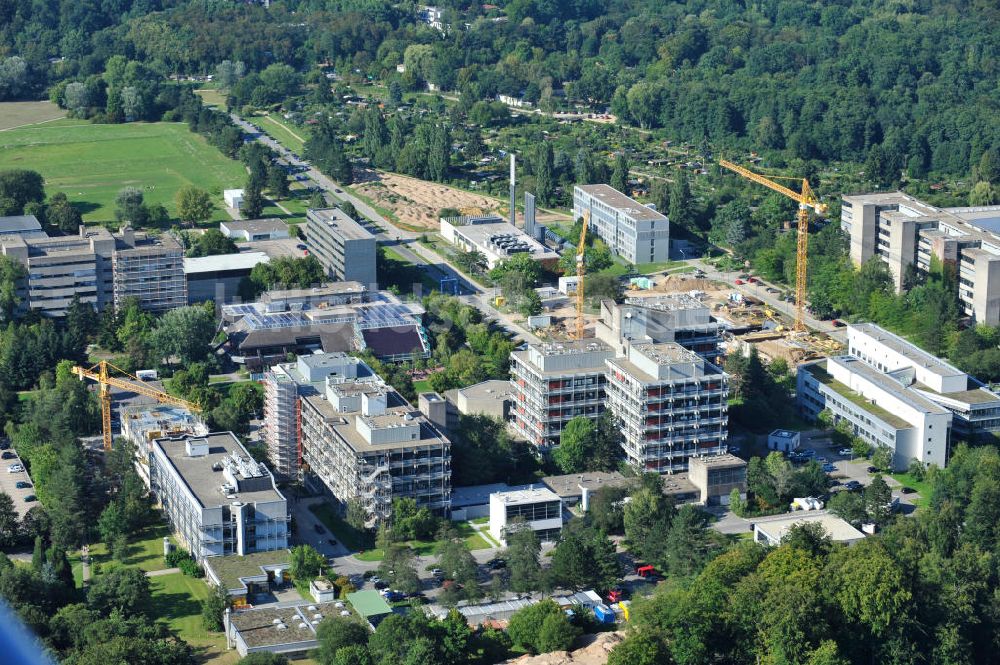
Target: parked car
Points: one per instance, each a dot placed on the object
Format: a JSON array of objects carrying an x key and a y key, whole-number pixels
[
  {"x": 22, "y": 485},
  {"x": 300, "y": 246},
  {"x": 907, "y": 490},
  {"x": 437, "y": 572},
  {"x": 822, "y": 460},
  {"x": 739, "y": 282},
  {"x": 734, "y": 449},
  {"x": 616, "y": 594},
  {"x": 771, "y": 289},
  {"x": 645, "y": 571},
  {"x": 496, "y": 564},
  {"x": 753, "y": 280},
  {"x": 393, "y": 596},
  {"x": 828, "y": 468},
  {"x": 4, "y": 444},
  {"x": 873, "y": 469},
  {"x": 846, "y": 452},
  {"x": 8, "y": 455},
  {"x": 837, "y": 323},
  {"x": 808, "y": 452},
  {"x": 31, "y": 498},
  {"x": 853, "y": 486},
  {"x": 318, "y": 529},
  {"x": 15, "y": 468},
  {"x": 332, "y": 541}
]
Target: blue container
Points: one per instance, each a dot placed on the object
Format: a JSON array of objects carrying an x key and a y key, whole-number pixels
[{"x": 604, "y": 614}]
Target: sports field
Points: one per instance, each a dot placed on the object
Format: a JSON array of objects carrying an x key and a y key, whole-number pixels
[{"x": 90, "y": 163}]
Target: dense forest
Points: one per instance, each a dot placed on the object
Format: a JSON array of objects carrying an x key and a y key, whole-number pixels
[{"x": 811, "y": 80}]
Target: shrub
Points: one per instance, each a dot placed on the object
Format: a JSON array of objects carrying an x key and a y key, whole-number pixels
[{"x": 190, "y": 568}]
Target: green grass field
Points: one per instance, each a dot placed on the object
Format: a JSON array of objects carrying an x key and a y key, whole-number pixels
[
  {"x": 923, "y": 488},
  {"x": 293, "y": 138},
  {"x": 145, "y": 552},
  {"x": 90, "y": 163},
  {"x": 177, "y": 601}
]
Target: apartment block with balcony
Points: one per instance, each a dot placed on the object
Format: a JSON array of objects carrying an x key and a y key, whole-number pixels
[
  {"x": 554, "y": 383},
  {"x": 908, "y": 234},
  {"x": 219, "y": 501},
  {"x": 672, "y": 406},
  {"x": 636, "y": 232},
  {"x": 362, "y": 442},
  {"x": 150, "y": 269},
  {"x": 284, "y": 386}
]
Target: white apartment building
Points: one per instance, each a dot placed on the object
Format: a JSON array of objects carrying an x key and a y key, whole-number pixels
[
  {"x": 553, "y": 383},
  {"x": 636, "y": 232},
  {"x": 284, "y": 386},
  {"x": 363, "y": 442},
  {"x": 540, "y": 508},
  {"x": 218, "y": 499},
  {"x": 671, "y": 403},
  {"x": 897, "y": 395},
  {"x": 903, "y": 232}
]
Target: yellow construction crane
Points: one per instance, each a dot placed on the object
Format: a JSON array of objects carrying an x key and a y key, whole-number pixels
[
  {"x": 806, "y": 200},
  {"x": 580, "y": 270},
  {"x": 100, "y": 374}
]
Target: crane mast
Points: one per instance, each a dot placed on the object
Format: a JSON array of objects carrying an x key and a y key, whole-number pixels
[
  {"x": 580, "y": 270},
  {"x": 806, "y": 200},
  {"x": 102, "y": 376}
]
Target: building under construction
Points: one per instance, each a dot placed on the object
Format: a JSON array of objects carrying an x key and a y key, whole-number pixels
[
  {"x": 554, "y": 383},
  {"x": 672, "y": 405},
  {"x": 365, "y": 444}
]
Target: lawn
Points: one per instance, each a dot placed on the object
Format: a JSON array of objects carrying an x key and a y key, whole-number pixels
[
  {"x": 91, "y": 163},
  {"x": 922, "y": 486},
  {"x": 293, "y": 138},
  {"x": 18, "y": 114},
  {"x": 177, "y": 601},
  {"x": 422, "y": 386},
  {"x": 473, "y": 540},
  {"x": 144, "y": 552},
  {"x": 212, "y": 97}
]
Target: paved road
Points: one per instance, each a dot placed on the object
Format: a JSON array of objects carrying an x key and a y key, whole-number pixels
[
  {"x": 759, "y": 290},
  {"x": 8, "y": 483},
  {"x": 402, "y": 241}
]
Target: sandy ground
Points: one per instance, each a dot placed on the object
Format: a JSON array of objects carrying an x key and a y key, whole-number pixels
[{"x": 417, "y": 202}]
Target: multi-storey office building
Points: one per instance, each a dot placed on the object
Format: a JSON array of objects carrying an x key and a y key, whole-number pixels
[
  {"x": 218, "y": 499},
  {"x": 554, "y": 383},
  {"x": 897, "y": 395},
  {"x": 634, "y": 231},
  {"x": 345, "y": 248},
  {"x": 150, "y": 269},
  {"x": 676, "y": 317},
  {"x": 99, "y": 267},
  {"x": 364, "y": 443},
  {"x": 906, "y": 233},
  {"x": 671, "y": 403},
  {"x": 284, "y": 386},
  {"x": 540, "y": 509}
]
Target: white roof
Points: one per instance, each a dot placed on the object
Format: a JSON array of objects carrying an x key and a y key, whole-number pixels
[
  {"x": 241, "y": 261},
  {"x": 839, "y": 530}
]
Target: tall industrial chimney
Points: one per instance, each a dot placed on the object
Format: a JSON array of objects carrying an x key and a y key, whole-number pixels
[{"x": 513, "y": 189}]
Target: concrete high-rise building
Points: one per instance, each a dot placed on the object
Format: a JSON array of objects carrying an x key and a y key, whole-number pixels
[
  {"x": 894, "y": 394},
  {"x": 671, "y": 404},
  {"x": 636, "y": 232},
  {"x": 101, "y": 268},
  {"x": 554, "y": 383},
  {"x": 908, "y": 234},
  {"x": 677, "y": 317},
  {"x": 150, "y": 269},
  {"x": 284, "y": 386},
  {"x": 346, "y": 249},
  {"x": 367, "y": 445},
  {"x": 218, "y": 499}
]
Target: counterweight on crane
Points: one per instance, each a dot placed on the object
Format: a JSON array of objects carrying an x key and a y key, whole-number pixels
[
  {"x": 806, "y": 200},
  {"x": 100, "y": 374}
]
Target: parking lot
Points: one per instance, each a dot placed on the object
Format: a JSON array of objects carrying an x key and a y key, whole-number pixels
[{"x": 9, "y": 481}]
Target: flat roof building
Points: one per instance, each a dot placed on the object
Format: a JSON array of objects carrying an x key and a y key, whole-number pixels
[
  {"x": 716, "y": 476},
  {"x": 675, "y": 317},
  {"x": 217, "y": 498},
  {"x": 144, "y": 423},
  {"x": 242, "y": 577},
  {"x": 150, "y": 269},
  {"x": 24, "y": 226},
  {"x": 345, "y": 248},
  {"x": 672, "y": 405},
  {"x": 290, "y": 631},
  {"x": 251, "y": 230},
  {"x": 771, "y": 531},
  {"x": 496, "y": 239},
  {"x": 634, "y": 231},
  {"x": 217, "y": 278},
  {"x": 897, "y": 395},
  {"x": 364, "y": 443},
  {"x": 538, "y": 507},
  {"x": 553, "y": 383},
  {"x": 487, "y": 398},
  {"x": 903, "y": 231}
]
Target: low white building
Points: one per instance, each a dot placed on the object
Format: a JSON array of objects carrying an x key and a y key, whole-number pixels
[
  {"x": 233, "y": 198},
  {"x": 772, "y": 531},
  {"x": 539, "y": 507},
  {"x": 251, "y": 230},
  {"x": 783, "y": 440},
  {"x": 895, "y": 394},
  {"x": 496, "y": 239}
]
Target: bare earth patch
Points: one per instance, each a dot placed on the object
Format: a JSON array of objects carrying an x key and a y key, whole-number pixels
[
  {"x": 417, "y": 202},
  {"x": 18, "y": 114}
]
